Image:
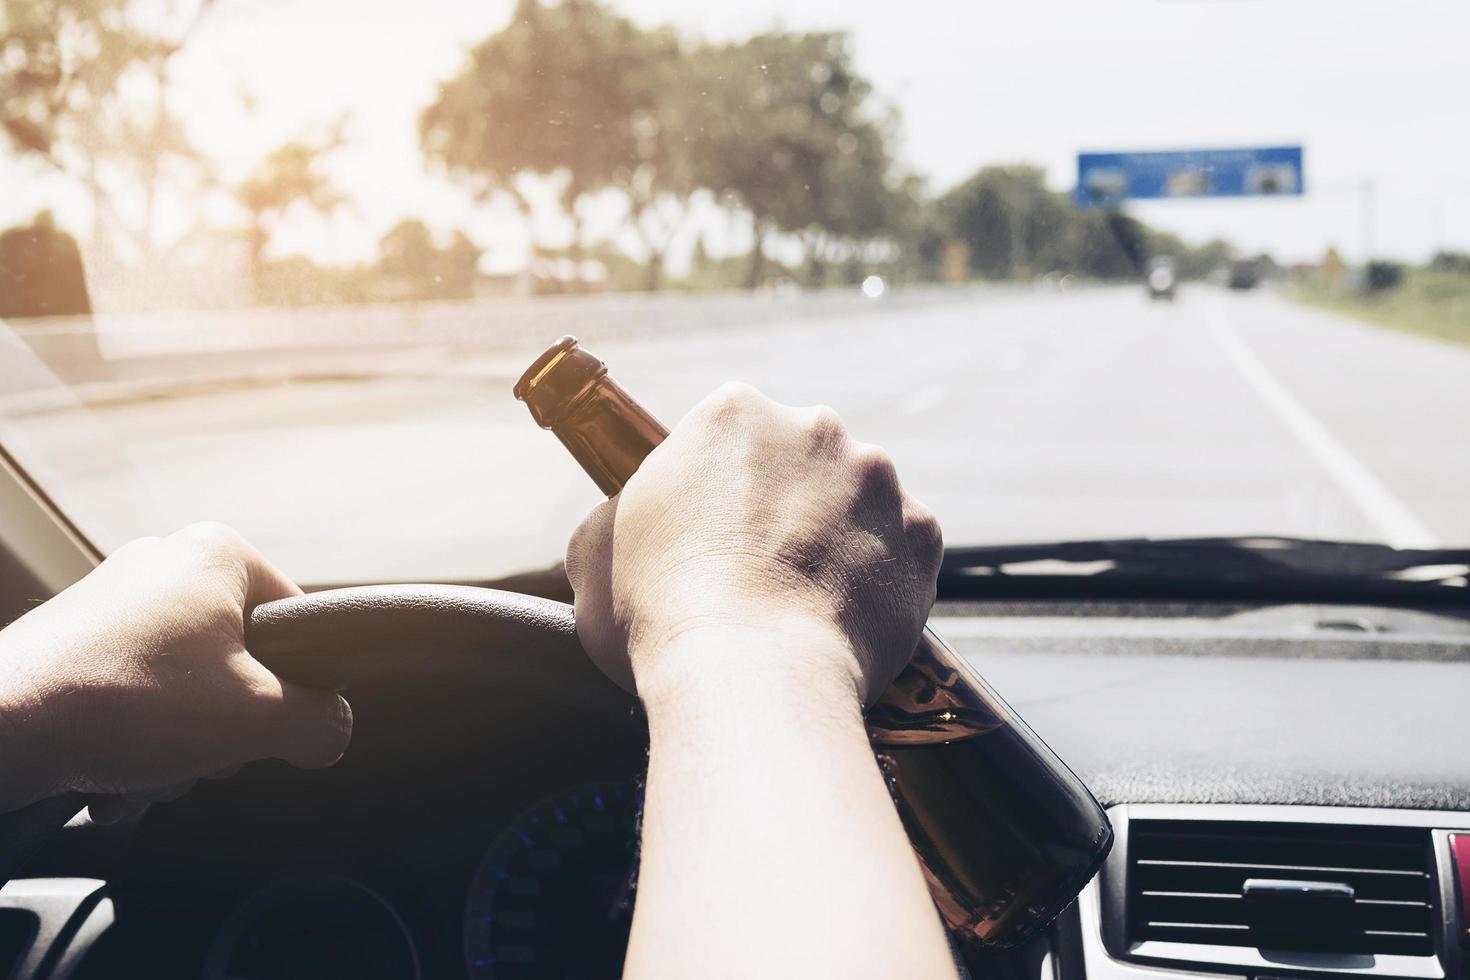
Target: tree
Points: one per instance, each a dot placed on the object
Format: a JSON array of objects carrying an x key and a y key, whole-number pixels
[
  {"x": 64, "y": 65},
  {"x": 554, "y": 95},
  {"x": 789, "y": 136},
  {"x": 859, "y": 203},
  {"x": 1457, "y": 263},
  {"x": 410, "y": 255},
  {"x": 1010, "y": 221},
  {"x": 662, "y": 179},
  {"x": 1200, "y": 261},
  {"x": 41, "y": 272},
  {"x": 290, "y": 178}
]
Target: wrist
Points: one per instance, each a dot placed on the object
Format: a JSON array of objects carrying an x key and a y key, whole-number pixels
[{"x": 795, "y": 659}]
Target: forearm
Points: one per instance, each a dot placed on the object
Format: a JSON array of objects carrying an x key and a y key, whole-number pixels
[{"x": 770, "y": 844}]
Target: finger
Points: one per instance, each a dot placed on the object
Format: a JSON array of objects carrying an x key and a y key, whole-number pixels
[
  {"x": 165, "y": 794},
  {"x": 106, "y": 810},
  {"x": 222, "y": 544},
  {"x": 265, "y": 581},
  {"x": 924, "y": 534},
  {"x": 590, "y": 546},
  {"x": 116, "y": 808},
  {"x": 306, "y": 727}
]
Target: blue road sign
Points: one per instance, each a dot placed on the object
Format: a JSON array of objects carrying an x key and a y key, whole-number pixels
[{"x": 1111, "y": 178}]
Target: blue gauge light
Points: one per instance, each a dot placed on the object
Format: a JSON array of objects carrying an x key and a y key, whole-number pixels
[{"x": 553, "y": 896}]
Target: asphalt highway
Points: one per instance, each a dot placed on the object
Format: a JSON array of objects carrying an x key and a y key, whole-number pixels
[{"x": 1017, "y": 415}]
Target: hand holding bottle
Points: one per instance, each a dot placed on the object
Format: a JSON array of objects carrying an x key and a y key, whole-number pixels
[
  {"x": 753, "y": 514},
  {"x": 760, "y": 582},
  {"x": 759, "y": 576}
]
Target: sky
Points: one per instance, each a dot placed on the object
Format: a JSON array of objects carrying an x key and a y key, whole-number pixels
[{"x": 1377, "y": 93}]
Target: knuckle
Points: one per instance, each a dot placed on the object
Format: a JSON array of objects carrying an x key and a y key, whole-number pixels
[
  {"x": 925, "y": 533},
  {"x": 212, "y": 536},
  {"x": 136, "y": 546},
  {"x": 737, "y": 391},
  {"x": 825, "y": 425},
  {"x": 733, "y": 397},
  {"x": 875, "y": 467}
]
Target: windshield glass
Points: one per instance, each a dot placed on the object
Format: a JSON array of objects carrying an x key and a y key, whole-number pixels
[{"x": 1088, "y": 270}]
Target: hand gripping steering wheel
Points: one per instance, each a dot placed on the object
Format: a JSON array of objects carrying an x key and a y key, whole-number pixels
[{"x": 522, "y": 645}]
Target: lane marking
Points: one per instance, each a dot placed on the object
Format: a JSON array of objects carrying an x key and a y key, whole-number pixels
[
  {"x": 1399, "y": 526},
  {"x": 921, "y": 400}
]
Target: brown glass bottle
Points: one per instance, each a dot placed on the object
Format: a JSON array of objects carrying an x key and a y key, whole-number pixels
[{"x": 1006, "y": 833}]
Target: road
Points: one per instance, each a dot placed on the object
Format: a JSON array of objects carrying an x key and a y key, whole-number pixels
[{"x": 1016, "y": 415}]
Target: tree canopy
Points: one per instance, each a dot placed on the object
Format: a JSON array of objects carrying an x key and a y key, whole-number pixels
[
  {"x": 64, "y": 68},
  {"x": 557, "y": 94},
  {"x": 779, "y": 134}
]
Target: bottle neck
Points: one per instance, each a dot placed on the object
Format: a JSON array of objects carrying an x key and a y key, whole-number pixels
[{"x": 608, "y": 433}]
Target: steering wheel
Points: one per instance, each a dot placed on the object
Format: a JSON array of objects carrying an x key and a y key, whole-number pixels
[{"x": 397, "y": 634}]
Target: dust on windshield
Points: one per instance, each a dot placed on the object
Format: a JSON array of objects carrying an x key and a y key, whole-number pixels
[{"x": 1151, "y": 268}]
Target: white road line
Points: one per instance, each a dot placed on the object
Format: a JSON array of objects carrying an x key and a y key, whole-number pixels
[
  {"x": 921, "y": 400},
  {"x": 1399, "y": 526}
]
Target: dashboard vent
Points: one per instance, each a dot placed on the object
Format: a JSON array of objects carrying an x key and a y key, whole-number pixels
[{"x": 1304, "y": 887}]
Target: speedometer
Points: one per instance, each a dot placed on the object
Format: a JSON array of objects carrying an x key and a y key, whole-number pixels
[{"x": 553, "y": 895}]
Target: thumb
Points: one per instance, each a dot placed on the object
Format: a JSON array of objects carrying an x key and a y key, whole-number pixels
[{"x": 308, "y": 728}]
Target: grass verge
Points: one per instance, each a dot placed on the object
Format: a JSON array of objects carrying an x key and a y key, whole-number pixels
[{"x": 1428, "y": 303}]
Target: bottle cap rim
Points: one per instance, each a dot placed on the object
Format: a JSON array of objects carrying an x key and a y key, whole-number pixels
[{"x": 542, "y": 364}]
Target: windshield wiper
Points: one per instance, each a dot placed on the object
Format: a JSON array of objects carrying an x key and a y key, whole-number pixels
[{"x": 1210, "y": 568}]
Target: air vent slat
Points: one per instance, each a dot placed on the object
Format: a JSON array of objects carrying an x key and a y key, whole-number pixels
[
  {"x": 1232, "y": 910},
  {"x": 1186, "y": 883},
  {"x": 1228, "y": 880},
  {"x": 1329, "y": 849}
]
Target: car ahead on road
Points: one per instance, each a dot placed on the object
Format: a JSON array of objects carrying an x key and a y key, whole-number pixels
[
  {"x": 1161, "y": 277},
  {"x": 1244, "y": 274}
]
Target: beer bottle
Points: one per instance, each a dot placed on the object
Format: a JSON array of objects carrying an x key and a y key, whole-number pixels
[{"x": 1006, "y": 834}]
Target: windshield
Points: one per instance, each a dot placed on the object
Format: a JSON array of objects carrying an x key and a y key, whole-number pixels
[{"x": 1088, "y": 270}]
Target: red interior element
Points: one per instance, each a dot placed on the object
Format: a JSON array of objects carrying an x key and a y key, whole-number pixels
[{"x": 1460, "y": 854}]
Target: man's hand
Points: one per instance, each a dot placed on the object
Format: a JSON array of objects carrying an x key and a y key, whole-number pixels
[
  {"x": 136, "y": 680},
  {"x": 760, "y": 578},
  {"x": 752, "y": 514}
]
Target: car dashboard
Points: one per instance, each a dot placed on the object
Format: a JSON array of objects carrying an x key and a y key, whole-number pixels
[{"x": 477, "y": 833}]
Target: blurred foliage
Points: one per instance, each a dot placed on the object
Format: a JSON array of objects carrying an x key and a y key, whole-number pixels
[
  {"x": 293, "y": 176},
  {"x": 568, "y": 103},
  {"x": 41, "y": 272},
  {"x": 1430, "y": 301},
  {"x": 1452, "y": 262},
  {"x": 1015, "y": 227},
  {"x": 780, "y": 126},
  {"x": 84, "y": 87},
  {"x": 560, "y": 92},
  {"x": 298, "y": 281},
  {"x": 791, "y": 137},
  {"x": 423, "y": 269},
  {"x": 1380, "y": 276}
]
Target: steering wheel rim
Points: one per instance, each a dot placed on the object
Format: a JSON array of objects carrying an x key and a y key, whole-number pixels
[{"x": 394, "y": 634}]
